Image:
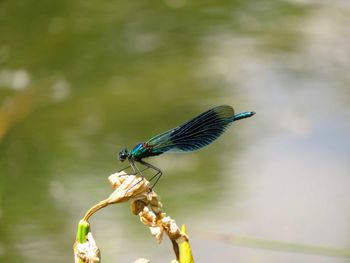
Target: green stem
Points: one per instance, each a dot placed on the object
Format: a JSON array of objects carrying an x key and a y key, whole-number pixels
[{"x": 83, "y": 230}]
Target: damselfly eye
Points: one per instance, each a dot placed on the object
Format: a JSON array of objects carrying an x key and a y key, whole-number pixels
[{"x": 123, "y": 154}]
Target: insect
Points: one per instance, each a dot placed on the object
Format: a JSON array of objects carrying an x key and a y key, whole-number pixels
[{"x": 190, "y": 136}]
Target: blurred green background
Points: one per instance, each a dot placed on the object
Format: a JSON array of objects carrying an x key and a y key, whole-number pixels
[{"x": 81, "y": 79}]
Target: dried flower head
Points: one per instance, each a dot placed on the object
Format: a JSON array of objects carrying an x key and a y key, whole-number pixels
[
  {"x": 88, "y": 251},
  {"x": 144, "y": 203}
]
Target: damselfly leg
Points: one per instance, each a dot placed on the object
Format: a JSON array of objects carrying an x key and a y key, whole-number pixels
[
  {"x": 158, "y": 174},
  {"x": 146, "y": 165},
  {"x": 123, "y": 169},
  {"x": 135, "y": 170}
]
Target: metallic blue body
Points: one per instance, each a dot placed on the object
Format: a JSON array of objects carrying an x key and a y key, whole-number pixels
[{"x": 190, "y": 136}]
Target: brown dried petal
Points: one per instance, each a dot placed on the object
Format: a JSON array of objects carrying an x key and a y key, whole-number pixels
[
  {"x": 147, "y": 217},
  {"x": 127, "y": 187},
  {"x": 137, "y": 206},
  {"x": 157, "y": 232}
]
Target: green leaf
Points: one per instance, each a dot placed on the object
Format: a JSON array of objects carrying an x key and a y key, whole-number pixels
[{"x": 185, "y": 250}]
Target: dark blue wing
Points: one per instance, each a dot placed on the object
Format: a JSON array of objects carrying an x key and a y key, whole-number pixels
[{"x": 196, "y": 133}]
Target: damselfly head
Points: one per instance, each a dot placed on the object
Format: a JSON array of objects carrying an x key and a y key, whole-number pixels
[{"x": 123, "y": 154}]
